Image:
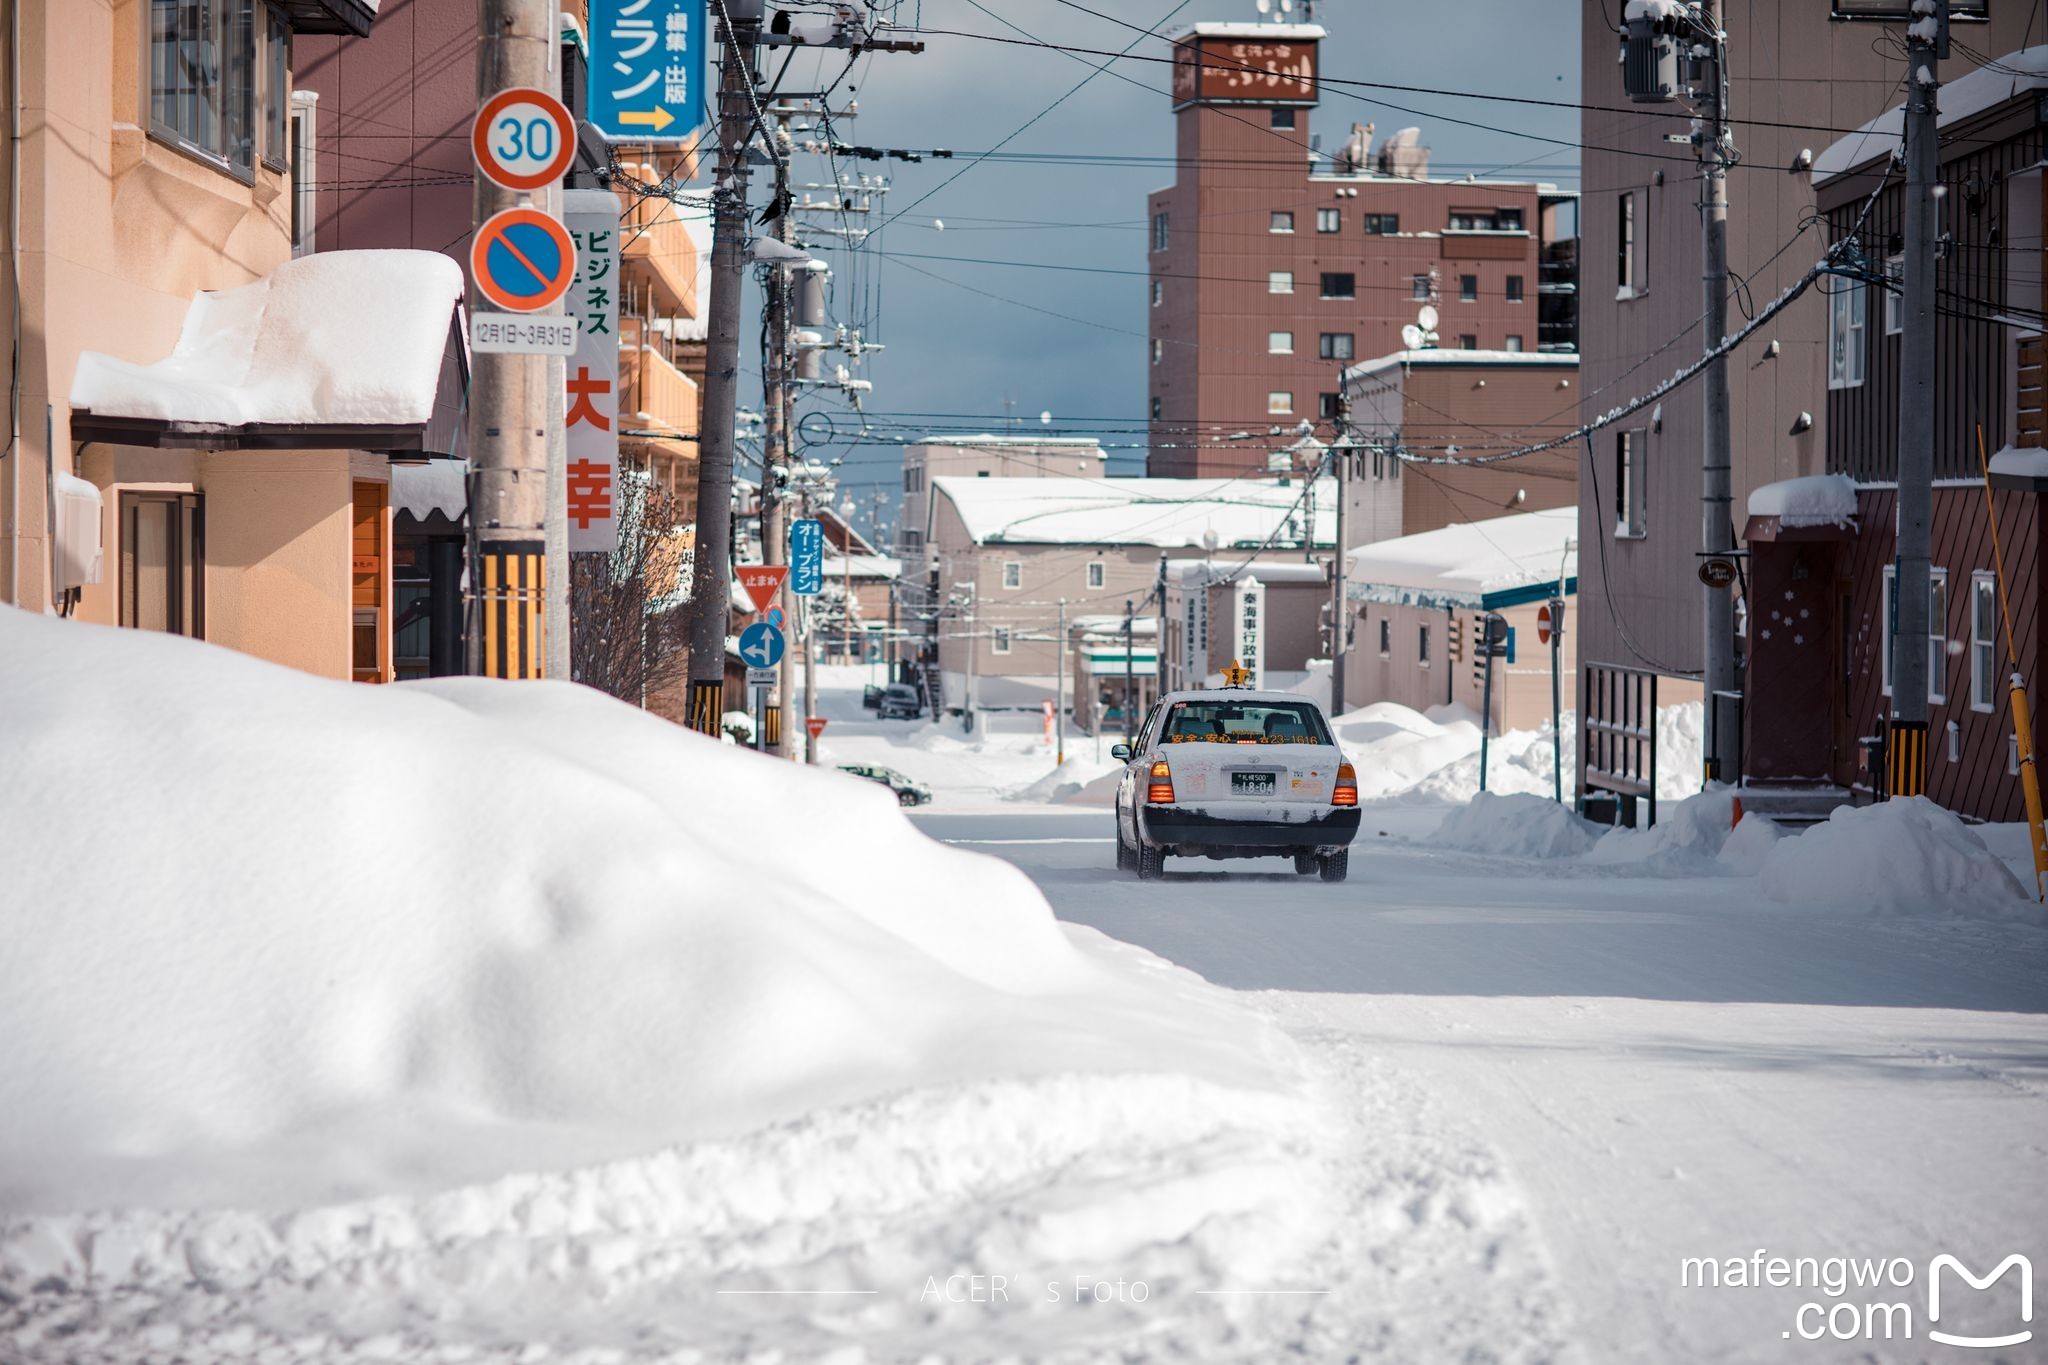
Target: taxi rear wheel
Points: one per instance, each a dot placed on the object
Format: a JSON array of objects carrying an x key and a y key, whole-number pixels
[
  {"x": 1335, "y": 866},
  {"x": 1151, "y": 863},
  {"x": 1304, "y": 863}
]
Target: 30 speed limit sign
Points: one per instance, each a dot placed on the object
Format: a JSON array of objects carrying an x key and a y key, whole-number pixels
[{"x": 523, "y": 139}]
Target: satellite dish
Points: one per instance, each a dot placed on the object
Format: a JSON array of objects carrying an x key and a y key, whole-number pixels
[
  {"x": 1045, "y": 418},
  {"x": 1411, "y": 337},
  {"x": 1265, "y": 6},
  {"x": 1426, "y": 317}
]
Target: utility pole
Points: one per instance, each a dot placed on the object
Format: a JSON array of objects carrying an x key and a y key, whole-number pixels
[
  {"x": 775, "y": 475},
  {"x": 1340, "y": 614},
  {"x": 1717, "y": 529},
  {"x": 512, "y": 408},
  {"x": 1129, "y": 731},
  {"x": 1059, "y": 689},
  {"x": 1906, "y": 745},
  {"x": 711, "y": 563}
]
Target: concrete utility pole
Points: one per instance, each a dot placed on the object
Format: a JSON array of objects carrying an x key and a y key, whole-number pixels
[
  {"x": 1340, "y": 619},
  {"x": 1059, "y": 688},
  {"x": 1129, "y": 729},
  {"x": 1717, "y": 529},
  {"x": 774, "y": 470},
  {"x": 711, "y": 564},
  {"x": 1906, "y": 747},
  {"x": 512, "y": 408}
]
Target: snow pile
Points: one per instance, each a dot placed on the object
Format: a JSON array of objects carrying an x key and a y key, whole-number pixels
[
  {"x": 1068, "y": 781},
  {"x": 1900, "y": 857},
  {"x": 338, "y": 337},
  {"x": 1691, "y": 837},
  {"x": 2021, "y": 462},
  {"x": 1816, "y": 500},
  {"x": 1410, "y": 758},
  {"x": 1517, "y": 826}
]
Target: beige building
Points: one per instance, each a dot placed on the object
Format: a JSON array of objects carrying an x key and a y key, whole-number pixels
[
  {"x": 984, "y": 457},
  {"x": 239, "y": 499},
  {"x": 1207, "y": 621}
]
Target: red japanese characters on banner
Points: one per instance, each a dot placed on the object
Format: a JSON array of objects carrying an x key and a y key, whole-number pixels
[
  {"x": 590, "y": 400},
  {"x": 590, "y": 493}
]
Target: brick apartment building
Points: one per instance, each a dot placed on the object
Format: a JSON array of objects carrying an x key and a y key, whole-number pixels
[{"x": 1277, "y": 262}]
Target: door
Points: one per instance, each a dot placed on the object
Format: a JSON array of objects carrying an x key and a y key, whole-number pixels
[
  {"x": 163, "y": 563},
  {"x": 369, "y": 647}
]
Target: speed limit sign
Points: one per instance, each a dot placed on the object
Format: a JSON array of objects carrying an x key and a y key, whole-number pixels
[{"x": 524, "y": 139}]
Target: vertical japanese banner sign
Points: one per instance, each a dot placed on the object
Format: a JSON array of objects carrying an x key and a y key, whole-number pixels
[
  {"x": 647, "y": 69},
  {"x": 591, "y": 403},
  {"x": 1251, "y": 628}
]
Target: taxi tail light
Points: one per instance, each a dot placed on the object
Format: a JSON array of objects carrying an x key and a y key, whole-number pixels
[
  {"x": 1346, "y": 791},
  {"x": 1159, "y": 790}
]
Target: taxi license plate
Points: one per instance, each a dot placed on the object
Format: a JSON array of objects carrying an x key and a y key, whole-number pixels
[{"x": 1252, "y": 784}]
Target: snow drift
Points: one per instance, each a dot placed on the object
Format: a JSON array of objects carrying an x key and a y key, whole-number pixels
[{"x": 1901, "y": 857}]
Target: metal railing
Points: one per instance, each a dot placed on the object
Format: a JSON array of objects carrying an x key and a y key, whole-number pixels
[{"x": 1618, "y": 734}]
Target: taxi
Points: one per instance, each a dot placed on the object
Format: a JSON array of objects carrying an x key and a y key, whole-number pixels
[{"x": 1233, "y": 772}]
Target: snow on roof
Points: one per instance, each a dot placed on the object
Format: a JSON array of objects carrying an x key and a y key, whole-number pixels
[
  {"x": 1228, "y": 29},
  {"x": 697, "y": 226},
  {"x": 1962, "y": 98},
  {"x": 1453, "y": 357},
  {"x": 863, "y": 566},
  {"x": 1168, "y": 513},
  {"x": 2021, "y": 462},
  {"x": 340, "y": 338},
  {"x": 436, "y": 486},
  {"x": 1816, "y": 500},
  {"x": 1266, "y": 570},
  {"x": 990, "y": 439},
  {"x": 1468, "y": 564}
]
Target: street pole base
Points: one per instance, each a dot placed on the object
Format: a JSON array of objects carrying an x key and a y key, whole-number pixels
[
  {"x": 513, "y": 598},
  {"x": 771, "y": 727},
  {"x": 707, "y": 706},
  {"x": 1906, "y": 758}
]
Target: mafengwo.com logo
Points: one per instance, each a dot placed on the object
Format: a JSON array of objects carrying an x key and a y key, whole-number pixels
[{"x": 1874, "y": 1299}]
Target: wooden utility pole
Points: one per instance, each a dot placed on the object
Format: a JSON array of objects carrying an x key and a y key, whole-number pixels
[{"x": 512, "y": 408}]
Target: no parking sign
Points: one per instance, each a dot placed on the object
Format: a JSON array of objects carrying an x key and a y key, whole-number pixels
[{"x": 522, "y": 260}]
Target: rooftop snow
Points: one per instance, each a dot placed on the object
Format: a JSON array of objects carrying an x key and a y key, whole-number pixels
[
  {"x": 1224, "y": 570},
  {"x": 1962, "y": 98},
  {"x": 2019, "y": 462},
  {"x": 1441, "y": 356},
  {"x": 340, "y": 338},
  {"x": 1168, "y": 513},
  {"x": 1228, "y": 29},
  {"x": 989, "y": 439},
  {"x": 863, "y": 566},
  {"x": 1816, "y": 500},
  {"x": 1469, "y": 561}
]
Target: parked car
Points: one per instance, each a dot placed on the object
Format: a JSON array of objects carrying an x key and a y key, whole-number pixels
[
  {"x": 1235, "y": 773},
  {"x": 908, "y": 793},
  {"x": 870, "y": 696},
  {"x": 899, "y": 702}
]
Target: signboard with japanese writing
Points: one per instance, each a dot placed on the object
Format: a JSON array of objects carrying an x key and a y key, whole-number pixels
[
  {"x": 647, "y": 69},
  {"x": 1251, "y": 629},
  {"x": 591, "y": 397},
  {"x": 807, "y": 557},
  {"x": 1216, "y": 70}
]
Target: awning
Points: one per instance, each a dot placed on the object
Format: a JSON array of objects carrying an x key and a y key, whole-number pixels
[
  {"x": 346, "y": 18},
  {"x": 340, "y": 349}
]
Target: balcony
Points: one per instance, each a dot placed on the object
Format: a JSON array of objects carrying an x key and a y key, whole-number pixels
[
  {"x": 658, "y": 250},
  {"x": 655, "y": 396}
]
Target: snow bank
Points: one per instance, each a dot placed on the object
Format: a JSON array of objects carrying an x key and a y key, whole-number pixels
[
  {"x": 1692, "y": 837},
  {"x": 1816, "y": 500},
  {"x": 1517, "y": 826},
  {"x": 1409, "y": 758},
  {"x": 286, "y": 941},
  {"x": 1068, "y": 780},
  {"x": 336, "y": 337},
  {"x": 1900, "y": 857}
]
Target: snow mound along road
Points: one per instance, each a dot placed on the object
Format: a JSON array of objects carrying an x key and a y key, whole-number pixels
[
  {"x": 1901, "y": 857},
  {"x": 1516, "y": 826},
  {"x": 440, "y": 1009}
]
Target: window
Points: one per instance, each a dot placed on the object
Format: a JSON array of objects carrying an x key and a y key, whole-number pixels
[
  {"x": 1845, "y": 334},
  {"x": 1468, "y": 289},
  {"x": 1335, "y": 346},
  {"x": 1418, "y": 287},
  {"x": 1282, "y": 222},
  {"x": 1158, "y": 293},
  {"x": 1514, "y": 342},
  {"x": 1002, "y": 640},
  {"x": 163, "y": 563},
  {"x": 1231, "y": 722},
  {"x": 1280, "y": 282},
  {"x": 1279, "y": 343},
  {"x": 1159, "y": 232},
  {"x": 1329, "y": 220},
  {"x": 1340, "y": 285},
  {"x": 909, "y": 480},
  {"x": 1983, "y": 641},
  {"x": 1155, "y": 408},
  {"x": 1386, "y": 638},
  {"x": 1507, "y": 220},
  {"x": 1894, "y": 297},
  {"x": 1631, "y": 507},
  {"x": 1097, "y": 573},
  {"x": 1382, "y": 224},
  {"x": 1158, "y": 350},
  {"x": 1278, "y": 403},
  {"x": 1468, "y": 341},
  {"x": 1937, "y": 631},
  {"x": 1625, "y": 246},
  {"x": 203, "y": 75},
  {"x": 1326, "y": 405},
  {"x": 1013, "y": 573},
  {"x": 1422, "y": 644},
  {"x": 277, "y": 45},
  {"x": 1283, "y": 118},
  {"x": 304, "y": 171},
  {"x": 1514, "y": 289}
]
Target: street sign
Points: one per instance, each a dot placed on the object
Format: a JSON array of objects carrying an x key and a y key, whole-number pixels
[
  {"x": 761, "y": 677},
  {"x": 807, "y": 556},
  {"x": 524, "y": 139},
  {"x": 774, "y": 617},
  {"x": 761, "y": 645},
  {"x": 519, "y": 334},
  {"x": 590, "y": 400},
  {"x": 815, "y": 724},
  {"x": 1717, "y": 572},
  {"x": 761, "y": 582},
  {"x": 647, "y": 69},
  {"x": 1543, "y": 624},
  {"x": 522, "y": 260}
]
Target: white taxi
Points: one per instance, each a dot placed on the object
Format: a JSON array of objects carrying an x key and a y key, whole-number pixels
[{"x": 1232, "y": 772}]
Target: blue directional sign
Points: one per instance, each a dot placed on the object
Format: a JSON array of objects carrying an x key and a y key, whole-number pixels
[
  {"x": 807, "y": 556},
  {"x": 761, "y": 645},
  {"x": 647, "y": 69}
]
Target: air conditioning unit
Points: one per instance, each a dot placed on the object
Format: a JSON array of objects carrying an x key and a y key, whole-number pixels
[
  {"x": 80, "y": 549},
  {"x": 1649, "y": 50}
]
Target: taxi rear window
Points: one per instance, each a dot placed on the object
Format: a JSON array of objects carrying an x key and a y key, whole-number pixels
[{"x": 1244, "y": 722}]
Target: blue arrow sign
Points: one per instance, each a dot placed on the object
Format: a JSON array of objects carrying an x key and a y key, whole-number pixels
[
  {"x": 761, "y": 645},
  {"x": 647, "y": 69},
  {"x": 807, "y": 557}
]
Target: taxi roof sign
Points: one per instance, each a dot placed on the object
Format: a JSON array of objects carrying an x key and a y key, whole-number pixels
[{"x": 1237, "y": 675}]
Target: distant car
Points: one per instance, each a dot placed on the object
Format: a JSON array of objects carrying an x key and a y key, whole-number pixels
[
  {"x": 899, "y": 702},
  {"x": 870, "y": 696},
  {"x": 1235, "y": 773},
  {"x": 908, "y": 793}
]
